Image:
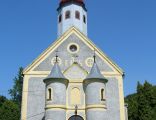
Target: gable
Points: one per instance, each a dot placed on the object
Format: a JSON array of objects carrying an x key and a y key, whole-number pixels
[
  {"x": 75, "y": 72},
  {"x": 85, "y": 48}
]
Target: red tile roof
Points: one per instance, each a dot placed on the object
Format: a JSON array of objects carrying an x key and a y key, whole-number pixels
[{"x": 64, "y": 1}]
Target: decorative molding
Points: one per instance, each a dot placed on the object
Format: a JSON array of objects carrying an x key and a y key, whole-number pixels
[
  {"x": 96, "y": 107},
  {"x": 55, "y": 107}
]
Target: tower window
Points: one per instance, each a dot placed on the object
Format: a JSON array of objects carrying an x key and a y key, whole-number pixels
[
  {"x": 77, "y": 15},
  {"x": 49, "y": 94},
  {"x": 67, "y": 14},
  {"x": 102, "y": 95},
  {"x": 84, "y": 18},
  {"x": 60, "y": 18}
]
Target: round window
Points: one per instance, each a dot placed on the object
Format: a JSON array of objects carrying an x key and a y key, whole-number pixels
[{"x": 73, "y": 48}]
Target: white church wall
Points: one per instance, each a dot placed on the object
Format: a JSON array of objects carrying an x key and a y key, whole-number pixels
[
  {"x": 59, "y": 94},
  {"x": 58, "y": 114},
  {"x": 112, "y": 111},
  {"x": 35, "y": 99},
  {"x": 93, "y": 93},
  {"x": 72, "y": 21}
]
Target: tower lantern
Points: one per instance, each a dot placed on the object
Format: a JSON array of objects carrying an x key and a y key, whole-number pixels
[{"x": 72, "y": 13}]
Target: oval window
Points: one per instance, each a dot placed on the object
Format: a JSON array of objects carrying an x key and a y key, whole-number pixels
[{"x": 73, "y": 48}]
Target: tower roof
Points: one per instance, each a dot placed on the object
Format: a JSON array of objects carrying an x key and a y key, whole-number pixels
[
  {"x": 55, "y": 74},
  {"x": 78, "y": 1},
  {"x": 95, "y": 73},
  {"x": 67, "y": 2}
]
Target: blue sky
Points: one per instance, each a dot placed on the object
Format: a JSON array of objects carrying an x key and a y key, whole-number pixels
[{"x": 125, "y": 30}]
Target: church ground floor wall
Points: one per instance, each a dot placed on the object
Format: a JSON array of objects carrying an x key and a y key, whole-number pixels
[{"x": 34, "y": 103}]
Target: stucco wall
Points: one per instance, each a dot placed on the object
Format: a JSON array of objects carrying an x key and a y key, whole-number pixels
[
  {"x": 112, "y": 103},
  {"x": 55, "y": 115},
  {"x": 66, "y": 57},
  {"x": 36, "y": 87},
  {"x": 67, "y": 23},
  {"x": 93, "y": 94},
  {"x": 36, "y": 99},
  {"x": 58, "y": 95}
]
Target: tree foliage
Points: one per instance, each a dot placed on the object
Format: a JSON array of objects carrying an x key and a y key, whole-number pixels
[
  {"x": 2, "y": 100},
  {"x": 142, "y": 105},
  {"x": 132, "y": 106},
  {"x": 16, "y": 91},
  {"x": 9, "y": 111}
]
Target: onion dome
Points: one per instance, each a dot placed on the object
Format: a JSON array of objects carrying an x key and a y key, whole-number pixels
[
  {"x": 95, "y": 74},
  {"x": 67, "y": 2},
  {"x": 56, "y": 74}
]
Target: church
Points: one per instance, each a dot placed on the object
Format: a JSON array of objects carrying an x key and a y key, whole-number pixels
[{"x": 73, "y": 79}]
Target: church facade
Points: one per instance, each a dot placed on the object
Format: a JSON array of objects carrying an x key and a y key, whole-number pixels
[{"x": 73, "y": 79}]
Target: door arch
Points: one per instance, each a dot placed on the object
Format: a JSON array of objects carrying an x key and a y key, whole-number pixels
[{"x": 76, "y": 117}]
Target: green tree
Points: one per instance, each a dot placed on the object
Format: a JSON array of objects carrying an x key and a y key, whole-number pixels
[
  {"x": 9, "y": 111},
  {"x": 150, "y": 94},
  {"x": 2, "y": 100},
  {"x": 16, "y": 91},
  {"x": 132, "y": 106},
  {"x": 142, "y": 105},
  {"x": 144, "y": 109}
]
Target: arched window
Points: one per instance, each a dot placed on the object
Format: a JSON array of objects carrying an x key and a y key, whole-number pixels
[
  {"x": 67, "y": 15},
  {"x": 102, "y": 95},
  {"x": 77, "y": 15},
  {"x": 84, "y": 18},
  {"x": 49, "y": 94},
  {"x": 60, "y": 18}
]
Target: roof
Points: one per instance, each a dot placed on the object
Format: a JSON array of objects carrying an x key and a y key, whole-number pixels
[
  {"x": 55, "y": 73},
  {"x": 76, "y": 63},
  {"x": 79, "y": 1},
  {"x": 67, "y": 2},
  {"x": 95, "y": 74},
  {"x": 77, "y": 72}
]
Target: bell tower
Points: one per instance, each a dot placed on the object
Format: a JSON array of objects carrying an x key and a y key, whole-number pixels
[{"x": 72, "y": 13}]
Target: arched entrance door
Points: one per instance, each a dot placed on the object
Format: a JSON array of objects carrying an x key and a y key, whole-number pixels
[{"x": 76, "y": 117}]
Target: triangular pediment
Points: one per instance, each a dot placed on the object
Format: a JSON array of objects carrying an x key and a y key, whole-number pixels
[
  {"x": 75, "y": 72},
  {"x": 44, "y": 63}
]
